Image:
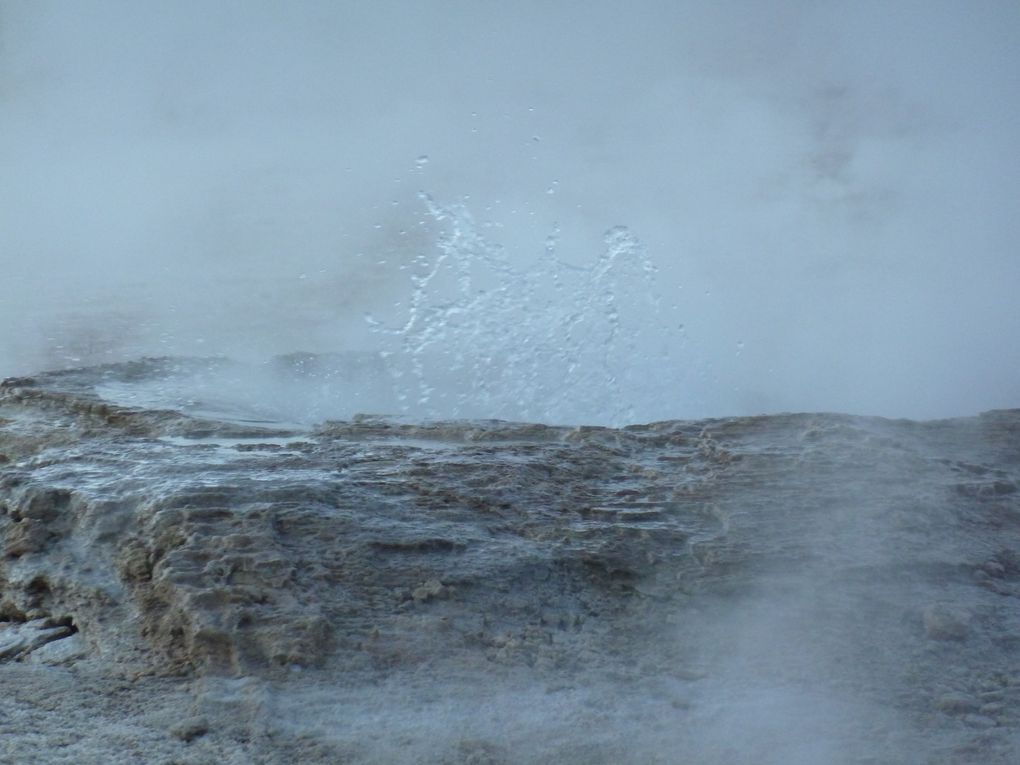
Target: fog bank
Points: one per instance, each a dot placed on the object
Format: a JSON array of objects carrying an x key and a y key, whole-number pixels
[{"x": 827, "y": 192}]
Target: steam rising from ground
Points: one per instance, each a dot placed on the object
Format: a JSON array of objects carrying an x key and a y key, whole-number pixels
[
  {"x": 832, "y": 186},
  {"x": 477, "y": 337}
]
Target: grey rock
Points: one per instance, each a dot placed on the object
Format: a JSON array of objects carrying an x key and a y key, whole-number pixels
[
  {"x": 390, "y": 590},
  {"x": 61, "y": 651},
  {"x": 190, "y": 729},
  {"x": 994, "y": 569},
  {"x": 979, "y": 721},
  {"x": 946, "y": 622},
  {"x": 957, "y": 704},
  {"x": 433, "y": 588},
  {"x": 19, "y": 639}
]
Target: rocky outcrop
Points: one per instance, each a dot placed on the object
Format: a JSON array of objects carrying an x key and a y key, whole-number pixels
[{"x": 759, "y": 589}]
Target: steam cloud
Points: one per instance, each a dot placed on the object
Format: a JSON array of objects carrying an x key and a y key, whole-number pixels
[{"x": 828, "y": 190}]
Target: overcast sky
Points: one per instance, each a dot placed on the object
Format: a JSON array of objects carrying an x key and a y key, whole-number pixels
[{"x": 830, "y": 190}]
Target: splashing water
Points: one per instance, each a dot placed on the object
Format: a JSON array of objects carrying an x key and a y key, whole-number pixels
[{"x": 553, "y": 342}]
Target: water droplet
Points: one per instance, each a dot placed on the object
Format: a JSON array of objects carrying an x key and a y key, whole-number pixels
[
  {"x": 422, "y": 161},
  {"x": 552, "y": 187},
  {"x": 535, "y": 139}
]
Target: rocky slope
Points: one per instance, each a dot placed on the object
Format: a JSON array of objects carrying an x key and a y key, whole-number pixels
[{"x": 182, "y": 586}]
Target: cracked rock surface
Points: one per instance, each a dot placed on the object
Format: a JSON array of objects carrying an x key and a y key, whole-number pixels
[{"x": 181, "y": 585}]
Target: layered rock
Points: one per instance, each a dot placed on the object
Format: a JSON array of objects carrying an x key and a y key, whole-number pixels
[{"x": 741, "y": 585}]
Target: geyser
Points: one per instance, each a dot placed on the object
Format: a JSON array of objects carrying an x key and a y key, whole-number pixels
[{"x": 549, "y": 341}]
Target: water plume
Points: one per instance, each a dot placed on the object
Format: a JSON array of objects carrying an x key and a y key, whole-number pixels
[{"x": 484, "y": 336}]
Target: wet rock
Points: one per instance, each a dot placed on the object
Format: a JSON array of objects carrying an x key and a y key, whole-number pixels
[
  {"x": 190, "y": 729},
  {"x": 433, "y": 588},
  {"x": 18, "y": 640},
  {"x": 946, "y": 622},
  {"x": 956, "y": 704},
  {"x": 994, "y": 569},
  {"x": 477, "y": 752},
  {"x": 1009, "y": 559},
  {"x": 319, "y": 594},
  {"x": 64, "y": 650},
  {"x": 979, "y": 721}
]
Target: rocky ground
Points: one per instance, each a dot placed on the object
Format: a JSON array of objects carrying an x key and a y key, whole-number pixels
[{"x": 190, "y": 588}]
